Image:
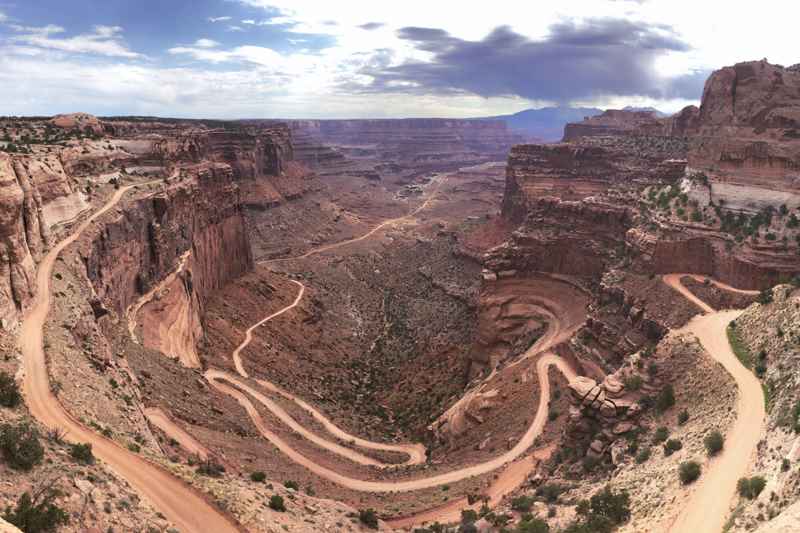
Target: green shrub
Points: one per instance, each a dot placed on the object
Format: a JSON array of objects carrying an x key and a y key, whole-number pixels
[
  {"x": 468, "y": 516},
  {"x": 643, "y": 455},
  {"x": 661, "y": 434},
  {"x": 210, "y": 468},
  {"x": 550, "y": 492},
  {"x": 37, "y": 514},
  {"x": 683, "y": 417},
  {"x": 665, "y": 399},
  {"x": 672, "y": 446},
  {"x": 82, "y": 453},
  {"x": 369, "y": 518},
  {"x": 522, "y": 504},
  {"x": 689, "y": 471},
  {"x": 291, "y": 485},
  {"x": 605, "y": 511},
  {"x": 533, "y": 525},
  {"x": 276, "y": 503},
  {"x": 258, "y": 476},
  {"x": 633, "y": 382},
  {"x": 20, "y": 446},
  {"x": 750, "y": 488},
  {"x": 9, "y": 391},
  {"x": 714, "y": 443}
]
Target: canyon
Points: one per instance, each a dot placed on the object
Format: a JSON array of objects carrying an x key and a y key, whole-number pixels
[{"x": 427, "y": 322}]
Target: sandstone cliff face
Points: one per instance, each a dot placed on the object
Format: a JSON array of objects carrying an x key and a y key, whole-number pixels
[
  {"x": 573, "y": 171},
  {"x": 748, "y": 139},
  {"x": 203, "y": 215},
  {"x": 17, "y": 269}
]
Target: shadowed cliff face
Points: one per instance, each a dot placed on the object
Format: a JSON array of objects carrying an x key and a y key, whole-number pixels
[{"x": 202, "y": 215}]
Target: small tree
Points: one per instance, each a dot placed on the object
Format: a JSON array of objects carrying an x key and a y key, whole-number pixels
[
  {"x": 714, "y": 442},
  {"x": 689, "y": 471},
  {"x": 37, "y": 513},
  {"x": 683, "y": 417},
  {"x": 20, "y": 446},
  {"x": 533, "y": 525},
  {"x": 369, "y": 518},
  {"x": 9, "y": 391},
  {"x": 522, "y": 504}
]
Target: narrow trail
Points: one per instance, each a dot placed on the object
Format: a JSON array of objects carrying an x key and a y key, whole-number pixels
[
  {"x": 710, "y": 500},
  {"x": 178, "y": 502},
  {"x": 133, "y": 310},
  {"x": 161, "y": 420}
]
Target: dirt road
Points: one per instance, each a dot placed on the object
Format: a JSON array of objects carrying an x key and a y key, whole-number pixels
[
  {"x": 440, "y": 180},
  {"x": 180, "y": 504},
  {"x": 161, "y": 420},
  {"x": 240, "y": 391},
  {"x": 710, "y": 500}
]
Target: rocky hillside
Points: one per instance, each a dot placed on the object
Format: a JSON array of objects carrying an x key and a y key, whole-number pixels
[{"x": 748, "y": 138}]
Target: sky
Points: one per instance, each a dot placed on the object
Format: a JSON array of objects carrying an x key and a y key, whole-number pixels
[{"x": 358, "y": 59}]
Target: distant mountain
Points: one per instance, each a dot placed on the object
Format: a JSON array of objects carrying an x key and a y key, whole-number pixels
[
  {"x": 546, "y": 123},
  {"x": 658, "y": 113}
]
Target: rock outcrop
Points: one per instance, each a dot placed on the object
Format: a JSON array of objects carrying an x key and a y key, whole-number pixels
[
  {"x": 202, "y": 214},
  {"x": 748, "y": 138}
]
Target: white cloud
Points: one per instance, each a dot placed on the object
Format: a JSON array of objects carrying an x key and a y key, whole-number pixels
[
  {"x": 104, "y": 41},
  {"x": 219, "y": 19},
  {"x": 235, "y": 28},
  {"x": 249, "y": 21},
  {"x": 3, "y": 17},
  {"x": 206, "y": 43}
]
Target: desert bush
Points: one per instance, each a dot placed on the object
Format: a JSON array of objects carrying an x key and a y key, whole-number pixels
[
  {"x": 714, "y": 442},
  {"x": 289, "y": 484},
  {"x": 533, "y": 525},
  {"x": 689, "y": 471},
  {"x": 750, "y": 488},
  {"x": 9, "y": 391},
  {"x": 369, "y": 518},
  {"x": 468, "y": 516},
  {"x": 210, "y": 468},
  {"x": 604, "y": 512},
  {"x": 550, "y": 492},
  {"x": 522, "y": 504},
  {"x": 683, "y": 417},
  {"x": 37, "y": 513},
  {"x": 20, "y": 446},
  {"x": 661, "y": 434},
  {"x": 276, "y": 503},
  {"x": 643, "y": 455},
  {"x": 82, "y": 453},
  {"x": 633, "y": 382},
  {"x": 258, "y": 476},
  {"x": 665, "y": 399},
  {"x": 672, "y": 446}
]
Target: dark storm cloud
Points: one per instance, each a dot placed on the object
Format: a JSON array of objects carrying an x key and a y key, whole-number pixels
[
  {"x": 576, "y": 60},
  {"x": 369, "y": 26}
]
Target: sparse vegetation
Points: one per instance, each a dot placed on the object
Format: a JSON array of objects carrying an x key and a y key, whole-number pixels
[
  {"x": 369, "y": 518},
  {"x": 672, "y": 446},
  {"x": 683, "y": 417},
  {"x": 258, "y": 476},
  {"x": 522, "y": 504},
  {"x": 750, "y": 488},
  {"x": 210, "y": 468},
  {"x": 289, "y": 484},
  {"x": 665, "y": 399},
  {"x": 20, "y": 446},
  {"x": 276, "y": 503},
  {"x": 37, "y": 513},
  {"x": 602, "y": 513},
  {"x": 532, "y": 524},
  {"x": 9, "y": 391},
  {"x": 689, "y": 471},
  {"x": 643, "y": 455},
  {"x": 738, "y": 346},
  {"x": 661, "y": 434},
  {"x": 714, "y": 443},
  {"x": 82, "y": 453}
]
